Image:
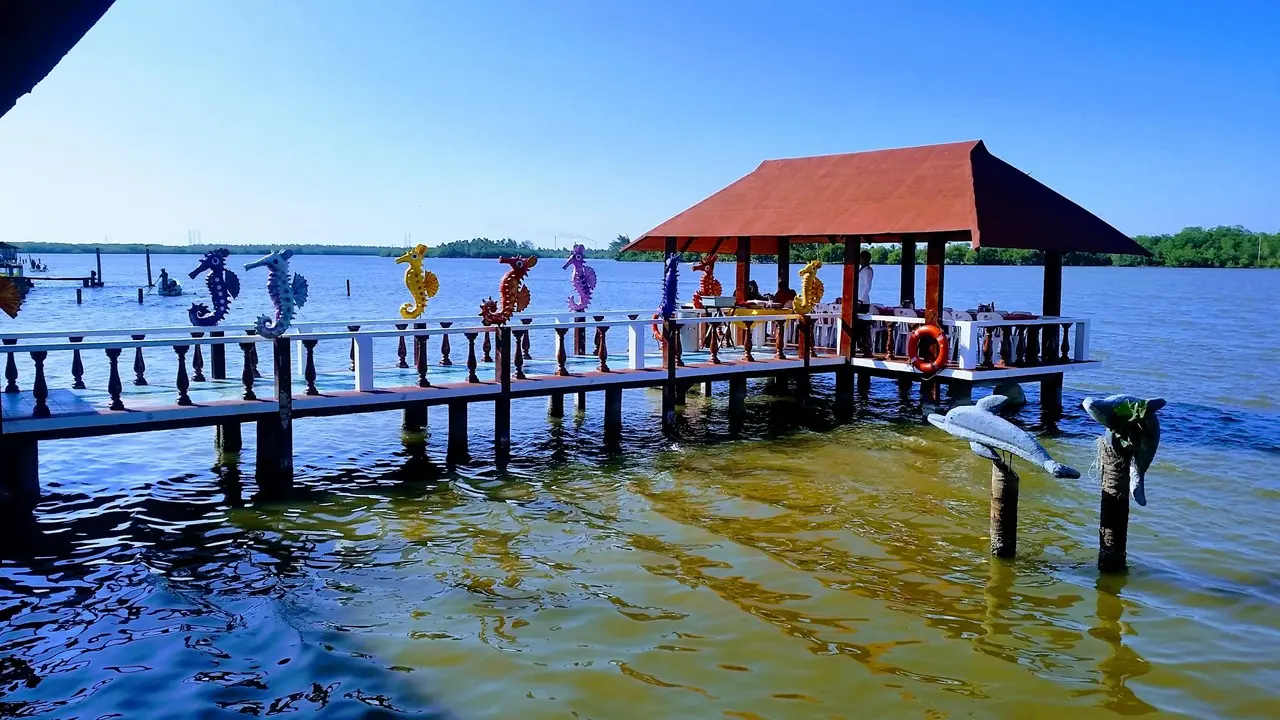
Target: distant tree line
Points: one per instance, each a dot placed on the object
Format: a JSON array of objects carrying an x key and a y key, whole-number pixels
[{"x": 1219, "y": 247}]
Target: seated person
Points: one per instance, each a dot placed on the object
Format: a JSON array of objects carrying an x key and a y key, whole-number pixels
[
  {"x": 753, "y": 291},
  {"x": 784, "y": 296}
]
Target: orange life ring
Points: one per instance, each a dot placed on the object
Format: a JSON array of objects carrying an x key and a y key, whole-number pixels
[{"x": 939, "y": 361}]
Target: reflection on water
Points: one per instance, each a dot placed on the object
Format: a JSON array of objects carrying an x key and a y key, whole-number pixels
[{"x": 785, "y": 567}]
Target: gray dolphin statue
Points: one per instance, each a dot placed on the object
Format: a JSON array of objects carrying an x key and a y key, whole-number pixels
[
  {"x": 1131, "y": 423},
  {"x": 988, "y": 432}
]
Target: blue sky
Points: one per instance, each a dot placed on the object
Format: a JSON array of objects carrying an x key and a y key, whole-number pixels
[{"x": 344, "y": 122}]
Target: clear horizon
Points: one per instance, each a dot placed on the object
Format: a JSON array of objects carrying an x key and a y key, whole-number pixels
[{"x": 331, "y": 123}]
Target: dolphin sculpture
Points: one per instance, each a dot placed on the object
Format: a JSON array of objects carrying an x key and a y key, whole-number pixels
[
  {"x": 1131, "y": 423},
  {"x": 987, "y": 433}
]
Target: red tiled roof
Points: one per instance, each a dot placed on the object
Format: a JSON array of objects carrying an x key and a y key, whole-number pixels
[{"x": 959, "y": 191}]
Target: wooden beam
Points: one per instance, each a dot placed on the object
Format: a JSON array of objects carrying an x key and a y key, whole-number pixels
[
  {"x": 743, "y": 277},
  {"x": 784, "y": 263},
  {"x": 669, "y": 246},
  {"x": 849, "y": 293},
  {"x": 933, "y": 282},
  {"x": 1051, "y": 306},
  {"x": 908, "y": 284}
]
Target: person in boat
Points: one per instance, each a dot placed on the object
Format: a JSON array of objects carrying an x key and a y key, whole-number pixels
[{"x": 164, "y": 279}]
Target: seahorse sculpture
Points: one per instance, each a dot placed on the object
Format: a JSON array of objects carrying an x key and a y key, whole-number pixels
[
  {"x": 810, "y": 289},
  {"x": 422, "y": 284},
  {"x": 223, "y": 286},
  {"x": 709, "y": 286},
  {"x": 583, "y": 278},
  {"x": 670, "y": 284},
  {"x": 287, "y": 292},
  {"x": 11, "y": 297},
  {"x": 511, "y": 291}
]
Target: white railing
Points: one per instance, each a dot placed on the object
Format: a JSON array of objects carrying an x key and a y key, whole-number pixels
[{"x": 982, "y": 344}]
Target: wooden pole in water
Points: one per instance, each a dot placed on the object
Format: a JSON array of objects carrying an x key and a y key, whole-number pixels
[
  {"x": 275, "y": 433},
  {"x": 502, "y": 404},
  {"x": 147, "y": 248},
  {"x": 79, "y": 296},
  {"x": 139, "y": 296},
  {"x": 1051, "y": 386},
  {"x": 613, "y": 416},
  {"x": 457, "y": 451},
  {"x": 1113, "y": 514},
  {"x": 555, "y": 405},
  {"x": 21, "y": 477},
  {"x": 98, "y": 252},
  {"x": 348, "y": 287},
  {"x": 1004, "y": 510},
  {"x": 669, "y": 389}
]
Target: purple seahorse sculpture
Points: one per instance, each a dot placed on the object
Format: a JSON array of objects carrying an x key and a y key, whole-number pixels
[
  {"x": 583, "y": 278},
  {"x": 670, "y": 277},
  {"x": 223, "y": 286}
]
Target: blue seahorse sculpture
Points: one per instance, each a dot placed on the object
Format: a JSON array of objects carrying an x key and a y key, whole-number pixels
[
  {"x": 287, "y": 293},
  {"x": 223, "y": 286},
  {"x": 670, "y": 278}
]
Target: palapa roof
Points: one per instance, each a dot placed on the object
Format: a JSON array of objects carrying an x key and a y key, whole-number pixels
[
  {"x": 34, "y": 35},
  {"x": 954, "y": 191}
]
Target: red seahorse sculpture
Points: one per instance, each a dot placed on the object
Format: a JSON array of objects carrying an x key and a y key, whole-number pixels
[
  {"x": 709, "y": 286},
  {"x": 511, "y": 291}
]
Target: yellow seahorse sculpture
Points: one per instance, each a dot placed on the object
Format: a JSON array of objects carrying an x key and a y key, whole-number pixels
[
  {"x": 810, "y": 289},
  {"x": 422, "y": 284}
]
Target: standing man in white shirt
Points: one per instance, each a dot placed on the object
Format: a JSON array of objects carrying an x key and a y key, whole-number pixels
[{"x": 865, "y": 277}]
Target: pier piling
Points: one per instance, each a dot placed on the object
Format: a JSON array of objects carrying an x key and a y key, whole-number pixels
[
  {"x": 555, "y": 405},
  {"x": 502, "y": 404},
  {"x": 737, "y": 397},
  {"x": 79, "y": 296},
  {"x": 1113, "y": 515},
  {"x": 457, "y": 450},
  {"x": 1004, "y": 510},
  {"x": 275, "y": 433},
  {"x": 139, "y": 296},
  {"x": 613, "y": 416},
  {"x": 21, "y": 476},
  {"x": 218, "y": 357},
  {"x": 228, "y": 438},
  {"x": 415, "y": 418}
]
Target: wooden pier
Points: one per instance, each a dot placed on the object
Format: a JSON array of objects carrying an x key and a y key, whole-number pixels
[{"x": 103, "y": 382}]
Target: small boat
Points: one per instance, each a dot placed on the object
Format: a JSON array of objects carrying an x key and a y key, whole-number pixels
[{"x": 168, "y": 287}]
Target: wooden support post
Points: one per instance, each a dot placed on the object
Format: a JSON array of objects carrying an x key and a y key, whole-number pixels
[
  {"x": 1113, "y": 514},
  {"x": 1004, "y": 510},
  {"x": 502, "y": 403},
  {"x": 784, "y": 263},
  {"x": 79, "y": 296},
  {"x": 147, "y": 249},
  {"x": 457, "y": 451},
  {"x": 228, "y": 438},
  {"x": 908, "y": 281},
  {"x": 1051, "y": 306},
  {"x": 707, "y": 389},
  {"x": 415, "y": 417},
  {"x": 218, "y": 356},
  {"x": 555, "y": 405},
  {"x": 844, "y": 392},
  {"x": 742, "y": 277},
  {"x": 21, "y": 477},
  {"x": 348, "y": 287},
  {"x": 737, "y": 396},
  {"x": 98, "y": 254},
  {"x": 849, "y": 296},
  {"x": 669, "y": 387},
  {"x": 139, "y": 296},
  {"x": 612, "y": 416},
  {"x": 936, "y": 257},
  {"x": 275, "y": 433},
  {"x": 580, "y": 337}
]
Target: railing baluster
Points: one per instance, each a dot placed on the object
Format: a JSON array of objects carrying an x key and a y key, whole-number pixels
[
  {"x": 524, "y": 344},
  {"x": 253, "y": 357},
  {"x": 77, "y": 367},
  {"x": 246, "y": 375},
  {"x": 471, "y": 356},
  {"x": 713, "y": 342},
  {"x": 444, "y": 346},
  {"x": 487, "y": 347},
  {"x": 197, "y": 360},
  {"x": 890, "y": 340},
  {"x": 1006, "y": 346},
  {"x": 517, "y": 355},
  {"x": 402, "y": 352},
  {"x": 39, "y": 388},
  {"x": 561, "y": 355},
  {"x": 1033, "y": 345},
  {"x": 183, "y": 383},
  {"x": 987, "y": 340},
  {"x": 353, "y": 328},
  {"x": 595, "y": 337},
  {"x": 1066, "y": 343},
  {"x": 602, "y": 349},
  {"x": 309, "y": 368},
  {"x": 139, "y": 365},
  {"x": 420, "y": 343},
  {"x": 1020, "y": 349},
  {"x": 779, "y": 351},
  {"x": 746, "y": 342},
  {"x": 114, "y": 386},
  {"x": 10, "y": 368}
]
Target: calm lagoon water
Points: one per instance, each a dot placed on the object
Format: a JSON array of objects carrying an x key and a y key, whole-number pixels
[{"x": 801, "y": 570}]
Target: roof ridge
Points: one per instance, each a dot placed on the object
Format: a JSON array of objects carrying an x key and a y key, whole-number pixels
[{"x": 958, "y": 143}]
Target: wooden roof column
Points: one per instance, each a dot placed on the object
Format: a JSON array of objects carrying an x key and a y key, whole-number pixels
[
  {"x": 784, "y": 263},
  {"x": 849, "y": 293},
  {"x": 936, "y": 257},
  {"x": 908, "y": 284},
  {"x": 742, "y": 277}
]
